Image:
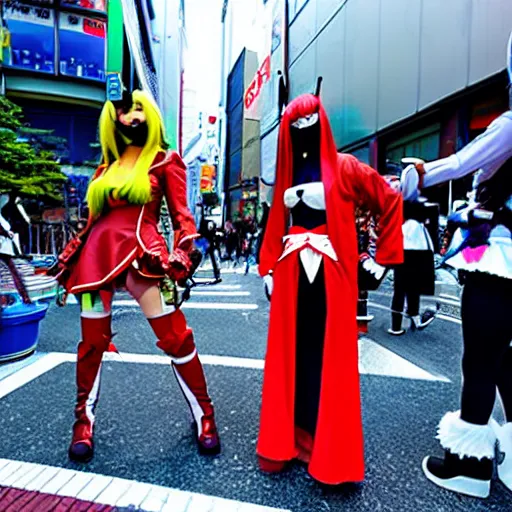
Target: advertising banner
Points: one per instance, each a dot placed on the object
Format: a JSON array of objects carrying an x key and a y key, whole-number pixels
[
  {"x": 39, "y": 15},
  {"x": 31, "y": 39},
  {"x": 82, "y": 46},
  {"x": 208, "y": 175},
  {"x": 269, "y": 96},
  {"x": 252, "y": 94},
  {"x": 82, "y": 25}
]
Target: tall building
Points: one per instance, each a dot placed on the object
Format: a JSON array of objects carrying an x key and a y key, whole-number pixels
[
  {"x": 59, "y": 60},
  {"x": 57, "y": 55},
  {"x": 402, "y": 77},
  {"x": 239, "y": 133},
  {"x": 54, "y": 66}
]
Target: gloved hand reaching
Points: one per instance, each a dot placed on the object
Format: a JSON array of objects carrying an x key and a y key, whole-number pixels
[
  {"x": 371, "y": 266},
  {"x": 180, "y": 265},
  {"x": 268, "y": 282}
]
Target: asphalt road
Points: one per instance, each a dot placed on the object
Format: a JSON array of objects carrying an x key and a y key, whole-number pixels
[{"x": 143, "y": 425}]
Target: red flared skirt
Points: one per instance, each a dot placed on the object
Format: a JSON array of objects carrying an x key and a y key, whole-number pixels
[{"x": 109, "y": 250}]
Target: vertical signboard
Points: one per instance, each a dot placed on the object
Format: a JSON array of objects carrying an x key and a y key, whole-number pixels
[
  {"x": 115, "y": 43},
  {"x": 269, "y": 97}
]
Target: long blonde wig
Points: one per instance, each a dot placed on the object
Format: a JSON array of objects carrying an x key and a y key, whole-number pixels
[{"x": 136, "y": 187}]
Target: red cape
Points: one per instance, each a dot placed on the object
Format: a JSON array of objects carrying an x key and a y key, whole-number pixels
[{"x": 337, "y": 454}]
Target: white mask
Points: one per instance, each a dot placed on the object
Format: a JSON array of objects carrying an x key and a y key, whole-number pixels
[{"x": 305, "y": 122}]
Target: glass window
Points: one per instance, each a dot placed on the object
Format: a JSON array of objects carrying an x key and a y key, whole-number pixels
[
  {"x": 31, "y": 42},
  {"x": 294, "y": 6},
  {"x": 82, "y": 46},
  {"x": 98, "y": 5}
]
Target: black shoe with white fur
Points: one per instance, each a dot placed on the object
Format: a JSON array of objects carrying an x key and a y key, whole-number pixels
[
  {"x": 466, "y": 475},
  {"x": 468, "y": 461}
]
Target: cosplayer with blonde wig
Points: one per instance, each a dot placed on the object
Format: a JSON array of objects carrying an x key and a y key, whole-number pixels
[{"x": 121, "y": 246}]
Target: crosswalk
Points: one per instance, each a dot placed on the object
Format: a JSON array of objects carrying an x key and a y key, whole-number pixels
[
  {"x": 118, "y": 492},
  {"x": 229, "y": 298}
]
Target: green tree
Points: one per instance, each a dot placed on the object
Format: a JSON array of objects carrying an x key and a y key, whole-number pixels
[{"x": 24, "y": 170}]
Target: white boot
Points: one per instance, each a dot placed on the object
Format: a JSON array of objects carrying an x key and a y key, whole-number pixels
[{"x": 504, "y": 435}]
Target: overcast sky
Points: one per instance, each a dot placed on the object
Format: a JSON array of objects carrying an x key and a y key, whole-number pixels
[{"x": 202, "y": 64}]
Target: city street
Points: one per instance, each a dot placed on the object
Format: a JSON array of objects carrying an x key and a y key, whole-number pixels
[{"x": 143, "y": 430}]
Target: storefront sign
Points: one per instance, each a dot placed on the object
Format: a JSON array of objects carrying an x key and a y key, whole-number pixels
[
  {"x": 253, "y": 91},
  {"x": 208, "y": 175},
  {"x": 82, "y": 46},
  {"x": 114, "y": 87},
  {"x": 83, "y": 25},
  {"x": 55, "y": 216},
  {"x": 39, "y": 15},
  {"x": 31, "y": 37},
  {"x": 98, "y": 5}
]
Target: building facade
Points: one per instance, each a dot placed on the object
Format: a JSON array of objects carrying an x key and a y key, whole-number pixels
[
  {"x": 56, "y": 61},
  {"x": 402, "y": 77},
  {"x": 242, "y": 149}
]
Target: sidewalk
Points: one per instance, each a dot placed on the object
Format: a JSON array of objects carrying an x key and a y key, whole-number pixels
[
  {"x": 17, "y": 500},
  {"x": 31, "y": 487}
]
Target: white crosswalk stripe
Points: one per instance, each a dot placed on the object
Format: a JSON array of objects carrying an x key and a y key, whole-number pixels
[{"x": 118, "y": 492}]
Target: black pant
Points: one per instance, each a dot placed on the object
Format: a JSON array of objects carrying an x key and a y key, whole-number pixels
[
  {"x": 211, "y": 253},
  {"x": 311, "y": 318},
  {"x": 487, "y": 360},
  {"x": 397, "y": 305}
]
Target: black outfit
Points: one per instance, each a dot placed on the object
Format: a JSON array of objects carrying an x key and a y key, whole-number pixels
[
  {"x": 207, "y": 230},
  {"x": 416, "y": 276},
  {"x": 311, "y": 297},
  {"x": 487, "y": 360}
]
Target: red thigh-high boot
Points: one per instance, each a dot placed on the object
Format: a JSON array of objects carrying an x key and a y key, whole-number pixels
[
  {"x": 96, "y": 338},
  {"x": 176, "y": 339}
]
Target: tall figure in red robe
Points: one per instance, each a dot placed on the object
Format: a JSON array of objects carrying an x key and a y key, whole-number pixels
[{"x": 309, "y": 260}]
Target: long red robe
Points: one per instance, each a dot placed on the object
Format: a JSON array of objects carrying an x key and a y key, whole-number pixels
[{"x": 337, "y": 455}]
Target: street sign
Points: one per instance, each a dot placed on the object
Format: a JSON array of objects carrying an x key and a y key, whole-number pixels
[{"x": 114, "y": 87}]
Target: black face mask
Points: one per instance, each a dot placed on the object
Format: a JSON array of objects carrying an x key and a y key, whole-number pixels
[{"x": 137, "y": 133}]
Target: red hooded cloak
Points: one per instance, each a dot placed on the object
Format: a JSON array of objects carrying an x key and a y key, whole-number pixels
[{"x": 337, "y": 451}]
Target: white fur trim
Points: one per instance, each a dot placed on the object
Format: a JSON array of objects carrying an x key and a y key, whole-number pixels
[
  {"x": 466, "y": 439},
  {"x": 184, "y": 360}
]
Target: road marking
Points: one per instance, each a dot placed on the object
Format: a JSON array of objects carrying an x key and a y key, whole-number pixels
[
  {"x": 195, "y": 305},
  {"x": 450, "y": 319},
  {"x": 224, "y": 286},
  {"x": 454, "y": 301},
  {"x": 374, "y": 359},
  {"x": 28, "y": 373},
  {"x": 447, "y": 318},
  {"x": 213, "y": 360},
  {"x": 117, "y": 492},
  {"x": 220, "y": 293}
]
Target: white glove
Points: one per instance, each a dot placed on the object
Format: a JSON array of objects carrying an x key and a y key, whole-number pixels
[
  {"x": 268, "y": 281},
  {"x": 374, "y": 268}
]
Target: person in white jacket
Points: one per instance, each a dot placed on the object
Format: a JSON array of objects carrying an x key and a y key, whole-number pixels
[
  {"x": 482, "y": 251},
  {"x": 416, "y": 276}
]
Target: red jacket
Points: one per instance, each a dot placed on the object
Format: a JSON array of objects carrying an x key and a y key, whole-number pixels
[{"x": 168, "y": 179}]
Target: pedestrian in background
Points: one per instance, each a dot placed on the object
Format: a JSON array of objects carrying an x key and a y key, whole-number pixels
[{"x": 416, "y": 276}]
